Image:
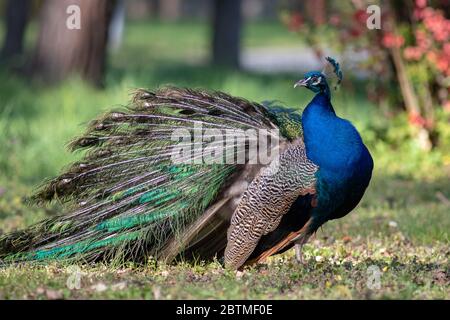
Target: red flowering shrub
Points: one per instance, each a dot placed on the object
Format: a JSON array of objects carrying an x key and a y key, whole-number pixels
[
  {"x": 428, "y": 51},
  {"x": 391, "y": 40},
  {"x": 417, "y": 33},
  {"x": 432, "y": 35}
]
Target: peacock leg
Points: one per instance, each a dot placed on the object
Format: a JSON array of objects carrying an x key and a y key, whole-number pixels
[
  {"x": 299, "y": 243},
  {"x": 298, "y": 252}
]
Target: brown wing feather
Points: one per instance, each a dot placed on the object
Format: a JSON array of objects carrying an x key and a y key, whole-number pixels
[
  {"x": 267, "y": 199},
  {"x": 292, "y": 237}
]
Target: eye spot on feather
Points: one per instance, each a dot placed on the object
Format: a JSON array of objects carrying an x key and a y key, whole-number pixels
[
  {"x": 145, "y": 95},
  {"x": 86, "y": 142},
  {"x": 100, "y": 126},
  {"x": 102, "y": 153},
  {"x": 215, "y": 112},
  {"x": 187, "y": 112},
  {"x": 117, "y": 115}
]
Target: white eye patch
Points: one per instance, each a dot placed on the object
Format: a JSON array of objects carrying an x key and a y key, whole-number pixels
[{"x": 319, "y": 80}]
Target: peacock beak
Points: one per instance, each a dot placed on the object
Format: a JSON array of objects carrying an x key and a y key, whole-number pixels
[{"x": 302, "y": 83}]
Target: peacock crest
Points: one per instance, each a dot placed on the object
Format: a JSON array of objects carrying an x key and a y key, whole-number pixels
[{"x": 333, "y": 72}]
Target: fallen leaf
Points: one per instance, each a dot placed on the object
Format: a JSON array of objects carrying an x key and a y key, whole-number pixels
[
  {"x": 40, "y": 290},
  {"x": 393, "y": 224},
  {"x": 99, "y": 287},
  {"x": 440, "y": 277},
  {"x": 53, "y": 294},
  {"x": 346, "y": 239}
]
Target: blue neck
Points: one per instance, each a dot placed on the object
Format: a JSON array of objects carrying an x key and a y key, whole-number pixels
[
  {"x": 320, "y": 104},
  {"x": 335, "y": 146},
  {"x": 326, "y": 91},
  {"x": 331, "y": 143}
]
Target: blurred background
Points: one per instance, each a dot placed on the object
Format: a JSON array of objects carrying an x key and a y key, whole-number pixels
[{"x": 55, "y": 77}]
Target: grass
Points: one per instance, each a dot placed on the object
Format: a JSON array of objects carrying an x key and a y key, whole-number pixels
[{"x": 401, "y": 227}]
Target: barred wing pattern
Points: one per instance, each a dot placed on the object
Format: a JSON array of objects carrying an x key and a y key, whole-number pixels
[{"x": 266, "y": 200}]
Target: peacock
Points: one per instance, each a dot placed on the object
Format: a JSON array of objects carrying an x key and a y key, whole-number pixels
[{"x": 127, "y": 199}]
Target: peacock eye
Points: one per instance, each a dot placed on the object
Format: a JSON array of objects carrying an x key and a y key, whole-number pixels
[{"x": 316, "y": 80}]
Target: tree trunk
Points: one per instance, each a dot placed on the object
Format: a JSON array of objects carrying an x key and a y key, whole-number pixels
[
  {"x": 16, "y": 18},
  {"x": 410, "y": 98},
  {"x": 117, "y": 25},
  {"x": 227, "y": 23},
  {"x": 169, "y": 10},
  {"x": 64, "y": 47},
  {"x": 421, "y": 131},
  {"x": 406, "y": 87}
]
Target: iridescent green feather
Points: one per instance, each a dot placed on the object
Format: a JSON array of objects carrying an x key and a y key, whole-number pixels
[
  {"x": 288, "y": 120},
  {"x": 126, "y": 197}
]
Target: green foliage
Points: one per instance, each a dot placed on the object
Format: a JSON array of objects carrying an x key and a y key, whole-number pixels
[{"x": 397, "y": 153}]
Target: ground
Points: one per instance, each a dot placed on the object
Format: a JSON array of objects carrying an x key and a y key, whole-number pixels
[{"x": 394, "y": 245}]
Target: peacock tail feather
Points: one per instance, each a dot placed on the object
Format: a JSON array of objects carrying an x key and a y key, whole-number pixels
[{"x": 126, "y": 197}]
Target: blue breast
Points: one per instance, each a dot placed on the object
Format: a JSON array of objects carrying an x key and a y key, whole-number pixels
[{"x": 345, "y": 164}]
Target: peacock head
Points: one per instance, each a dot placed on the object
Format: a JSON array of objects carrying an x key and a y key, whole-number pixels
[{"x": 316, "y": 81}]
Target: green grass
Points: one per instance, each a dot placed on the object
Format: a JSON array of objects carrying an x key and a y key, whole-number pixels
[{"x": 402, "y": 225}]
